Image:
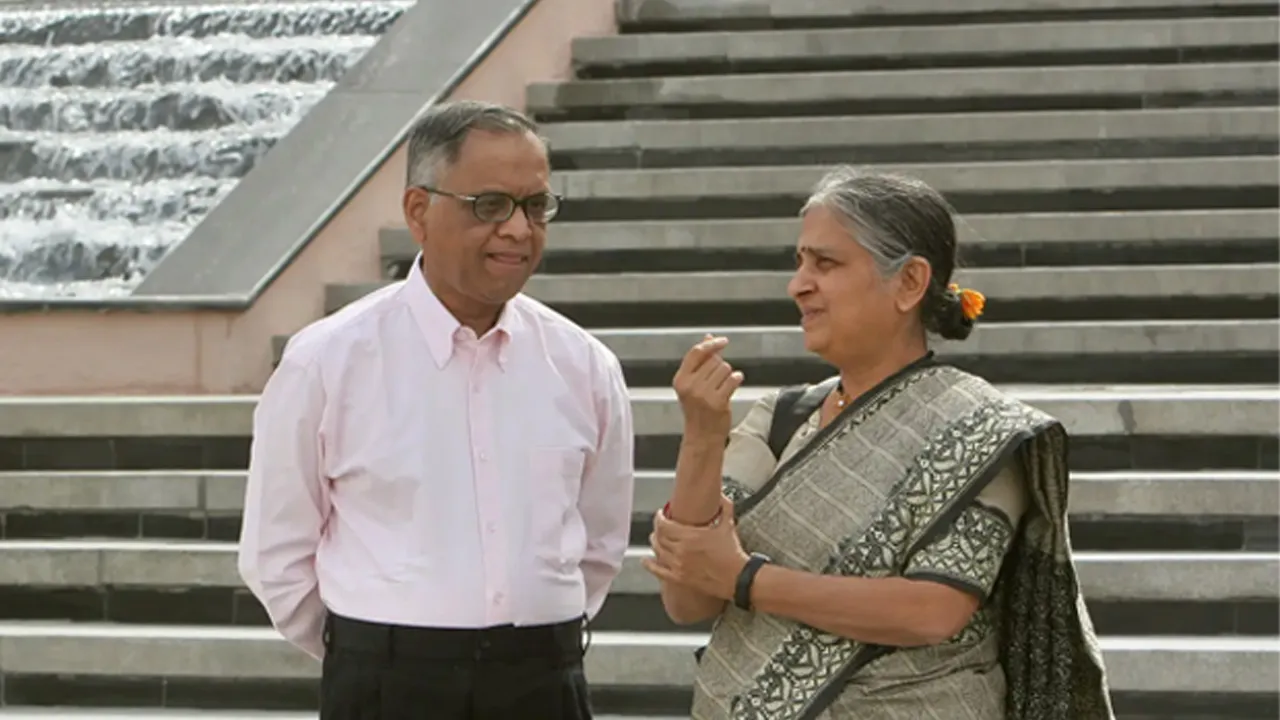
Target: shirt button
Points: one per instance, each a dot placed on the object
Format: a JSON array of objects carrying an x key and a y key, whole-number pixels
[
  {"x": 497, "y": 598},
  {"x": 492, "y": 528},
  {"x": 483, "y": 456}
]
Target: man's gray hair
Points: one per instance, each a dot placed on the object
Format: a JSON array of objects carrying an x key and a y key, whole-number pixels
[{"x": 436, "y": 139}]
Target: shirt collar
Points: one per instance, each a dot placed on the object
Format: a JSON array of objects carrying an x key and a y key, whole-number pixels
[{"x": 441, "y": 329}]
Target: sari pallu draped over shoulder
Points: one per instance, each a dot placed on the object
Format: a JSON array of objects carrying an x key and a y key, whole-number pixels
[{"x": 891, "y": 487}]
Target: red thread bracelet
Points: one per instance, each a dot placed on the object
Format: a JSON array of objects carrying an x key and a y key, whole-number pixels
[{"x": 666, "y": 513}]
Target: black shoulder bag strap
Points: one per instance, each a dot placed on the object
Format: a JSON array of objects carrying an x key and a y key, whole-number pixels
[{"x": 794, "y": 406}]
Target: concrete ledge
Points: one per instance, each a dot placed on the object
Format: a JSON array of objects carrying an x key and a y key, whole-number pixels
[
  {"x": 1228, "y": 665},
  {"x": 1198, "y": 576},
  {"x": 1192, "y": 124},
  {"x": 1000, "y": 39},
  {"x": 1084, "y": 410},
  {"x": 1032, "y": 230},
  {"x": 970, "y": 178},
  {"x": 934, "y": 85},
  {"x": 1147, "y": 493},
  {"x": 266, "y": 221},
  {"x": 631, "y": 11}
]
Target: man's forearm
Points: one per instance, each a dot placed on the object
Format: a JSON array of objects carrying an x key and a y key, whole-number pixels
[
  {"x": 695, "y": 501},
  {"x": 890, "y": 611}
]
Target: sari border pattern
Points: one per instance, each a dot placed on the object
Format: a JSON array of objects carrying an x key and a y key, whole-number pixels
[{"x": 949, "y": 472}]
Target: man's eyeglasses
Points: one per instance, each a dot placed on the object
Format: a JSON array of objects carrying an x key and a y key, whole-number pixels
[{"x": 498, "y": 207}]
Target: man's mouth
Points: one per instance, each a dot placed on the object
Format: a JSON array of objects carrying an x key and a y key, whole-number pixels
[{"x": 508, "y": 258}]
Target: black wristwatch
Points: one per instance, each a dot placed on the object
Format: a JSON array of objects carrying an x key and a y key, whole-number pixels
[{"x": 742, "y": 590}]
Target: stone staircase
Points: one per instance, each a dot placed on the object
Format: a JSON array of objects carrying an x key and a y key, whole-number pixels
[{"x": 1115, "y": 162}]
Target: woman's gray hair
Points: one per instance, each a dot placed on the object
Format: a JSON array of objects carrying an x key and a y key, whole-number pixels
[{"x": 895, "y": 218}]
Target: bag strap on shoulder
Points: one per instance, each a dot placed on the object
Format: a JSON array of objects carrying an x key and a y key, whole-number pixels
[{"x": 794, "y": 406}]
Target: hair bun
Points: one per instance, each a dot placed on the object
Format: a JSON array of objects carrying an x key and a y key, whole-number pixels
[{"x": 947, "y": 318}]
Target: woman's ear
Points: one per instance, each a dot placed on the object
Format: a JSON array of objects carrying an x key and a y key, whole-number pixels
[{"x": 913, "y": 284}]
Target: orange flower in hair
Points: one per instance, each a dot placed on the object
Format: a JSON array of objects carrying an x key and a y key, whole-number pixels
[{"x": 971, "y": 302}]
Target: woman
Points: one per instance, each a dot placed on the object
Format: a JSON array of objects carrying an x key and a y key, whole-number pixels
[{"x": 901, "y": 550}]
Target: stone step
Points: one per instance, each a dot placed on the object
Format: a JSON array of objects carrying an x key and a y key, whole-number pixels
[
  {"x": 124, "y": 564},
  {"x": 196, "y": 660},
  {"x": 1121, "y": 351},
  {"x": 896, "y": 92},
  {"x": 1049, "y": 185},
  {"x": 1115, "y": 427},
  {"x": 1114, "y": 510},
  {"x": 1037, "y": 43},
  {"x": 1232, "y": 593},
  {"x": 1028, "y": 294},
  {"x": 87, "y": 713},
  {"x": 1157, "y": 351},
  {"x": 921, "y": 138},
  {"x": 1006, "y": 240},
  {"x": 90, "y": 23},
  {"x": 636, "y": 16}
]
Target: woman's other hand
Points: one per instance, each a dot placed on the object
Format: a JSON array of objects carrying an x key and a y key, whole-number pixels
[
  {"x": 704, "y": 384},
  {"x": 706, "y": 559}
]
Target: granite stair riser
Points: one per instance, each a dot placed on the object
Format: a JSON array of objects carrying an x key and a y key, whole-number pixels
[
  {"x": 902, "y": 133},
  {"x": 1216, "y": 594},
  {"x": 1121, "y": 352},
  {"x": 998, "y": 45},
  {"x": 189, "y": 668},
  {"x": 1258, "y": 449},
  {"x": 897, "y": 92},
  {"x": 1129, "y": 511},
  {"x": 1015, "y": 295},
  {"x": 1137, "y": 533},
  {"x": 621, "y": 158},
  {"x": 56, "y": 691},
  {"x": 686, "y": 16},
  {"x": 1238, "y": 236},
  {"x": 630, "y": 613}
]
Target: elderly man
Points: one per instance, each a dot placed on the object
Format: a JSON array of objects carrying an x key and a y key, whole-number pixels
[{"x": 440, "y": 485}]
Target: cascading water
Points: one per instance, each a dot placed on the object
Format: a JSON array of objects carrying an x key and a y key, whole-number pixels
[{"x": 121, "y": 127}]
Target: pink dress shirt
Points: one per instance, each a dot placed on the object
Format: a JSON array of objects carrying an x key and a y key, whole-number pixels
[{"x": 405, "y": 471}]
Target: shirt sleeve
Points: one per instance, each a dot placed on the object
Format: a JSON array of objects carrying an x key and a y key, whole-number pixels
[
  {"x": 287, "y": 504},
  {"x": 606, "y": 498},
  {"x": 968, "y": 555}
]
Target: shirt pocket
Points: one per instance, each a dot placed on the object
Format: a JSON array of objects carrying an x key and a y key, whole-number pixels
[{"x": 556, "y": 529}]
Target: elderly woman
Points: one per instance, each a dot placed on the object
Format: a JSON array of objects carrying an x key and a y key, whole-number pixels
[{"x": 891, "y": 543}]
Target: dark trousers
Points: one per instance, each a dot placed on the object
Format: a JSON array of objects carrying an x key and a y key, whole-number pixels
[{"x": 385, "y": 672}]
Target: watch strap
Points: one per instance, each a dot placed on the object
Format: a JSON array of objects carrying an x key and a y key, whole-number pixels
[{"x": 746, "y": 578}]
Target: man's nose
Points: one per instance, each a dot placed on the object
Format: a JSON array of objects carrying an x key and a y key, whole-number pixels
[{"x": 517, "y": 226}]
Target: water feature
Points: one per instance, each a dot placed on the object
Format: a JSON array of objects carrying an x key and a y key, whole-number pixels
[{"x": 122, "y": 126}]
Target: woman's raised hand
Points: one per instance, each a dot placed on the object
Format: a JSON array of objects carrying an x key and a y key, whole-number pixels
[{"x": 704, "y": 384}]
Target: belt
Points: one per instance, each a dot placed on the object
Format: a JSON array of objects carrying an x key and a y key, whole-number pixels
[{"x": 559, "y": 641}]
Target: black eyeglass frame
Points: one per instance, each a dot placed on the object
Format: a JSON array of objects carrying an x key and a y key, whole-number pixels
[{"x": 516, "y": 203}]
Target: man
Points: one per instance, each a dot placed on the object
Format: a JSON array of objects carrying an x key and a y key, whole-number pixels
[{"x": 440, "y": 484}]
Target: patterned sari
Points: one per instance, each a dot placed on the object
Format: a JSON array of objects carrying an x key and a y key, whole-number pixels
[{"x": 935, "y": 475}]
